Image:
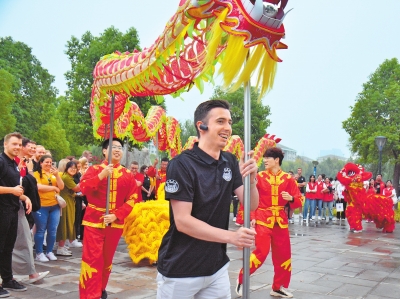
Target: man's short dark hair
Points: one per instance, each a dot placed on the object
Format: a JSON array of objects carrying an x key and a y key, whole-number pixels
[
  {"x": 134, "y": 163},
  {"x": 25, "y": 141},
  {"x": 14, "y": 134},
  {"x": 107, "y": 142},
  {"x": 165, "y": 159},
  {"x": 275, "y": 152},
  {"x": 202, "y": 110}
]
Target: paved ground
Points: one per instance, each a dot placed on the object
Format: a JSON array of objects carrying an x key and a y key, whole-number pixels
[{"x": 328, "y": 262}]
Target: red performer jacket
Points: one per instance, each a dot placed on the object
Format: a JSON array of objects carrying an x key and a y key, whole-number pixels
[
  {"x": 162, "y": 174},
  {"x": 270, "y": 210},
  {"x": 123, "y": 193}
]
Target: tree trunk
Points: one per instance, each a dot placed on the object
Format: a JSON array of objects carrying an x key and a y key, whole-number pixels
[{"x": 396, "y": 175}]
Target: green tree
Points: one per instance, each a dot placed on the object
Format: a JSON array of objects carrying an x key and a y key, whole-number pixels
[
  {"x": 54, "y": 139},
  {"x": 33, "y": 91},
  {"x": 83, "y": 54},
  {"x": 259, "y": 112},
  {"x": 7, "y": 120},
  {"x": 377, "y": 113},
  {"x": 187, "y": 129}
]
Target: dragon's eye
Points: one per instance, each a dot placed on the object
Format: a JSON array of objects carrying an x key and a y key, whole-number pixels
[{"x": 351, "y": 173}]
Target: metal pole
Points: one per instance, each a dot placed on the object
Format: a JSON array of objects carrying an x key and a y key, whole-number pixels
[
  {"x": 380, "y": 162},
  {"x": 247, "y": 135},
  {"x": 110, "y": 151}
]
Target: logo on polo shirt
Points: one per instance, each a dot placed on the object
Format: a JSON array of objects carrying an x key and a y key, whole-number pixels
[
  {"x": 171, "y": 186},
  {"x": 227, "y": 174}
]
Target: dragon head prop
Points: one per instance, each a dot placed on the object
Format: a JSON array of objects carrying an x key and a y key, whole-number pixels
[{"x": 353, "y": 173}]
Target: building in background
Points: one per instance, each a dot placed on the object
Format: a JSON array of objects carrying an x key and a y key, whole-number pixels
[{"x": 290, "y": 154}]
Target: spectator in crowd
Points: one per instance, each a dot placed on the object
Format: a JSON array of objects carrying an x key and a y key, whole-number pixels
[
  {"x": 379, "y": 184},
  {"x": 160, "y": 174},
  {"x": 61, "y": 165},
  {"x": 311, "y": 190},
  {"x": 47, "y": 217},
  {"x": 147, "y": 188},
  {"x": 318, "y": 196},
  {"x": 139, "y": 177},
  {"x": 88, "y": 155},
  {"x": 66, "y": 227},
  {"x": 11, "y": 192},
  {"x": 288, "y": 210},
  {"x": 301, "y": 183},
  {"x": 80, "y": 199},
  {"x": 22, "y": 256},
  {"x": 340, "y": 199},
  {"x": 390, "y": 192},
  {"x": 48, "y": 153},
  {"x": 327, "y": 200},
  {"x": 40, "y": 151}
]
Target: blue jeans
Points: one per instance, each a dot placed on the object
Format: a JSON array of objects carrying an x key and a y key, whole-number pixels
[
  {"x": 47, "y": 218},
  {"x": 318, "y": 203},
  {"x": 327, "y": 205},
  {"x": 307, "y": 205}
]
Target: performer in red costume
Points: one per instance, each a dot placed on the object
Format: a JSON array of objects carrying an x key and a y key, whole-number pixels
[
  {"x": 276, "y": 188},
  {"x": 103, "y": 232},
  {"x": 160, "y": 174}
]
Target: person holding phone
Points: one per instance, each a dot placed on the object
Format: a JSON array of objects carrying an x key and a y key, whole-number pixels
[{"x": 47, "y": 217}]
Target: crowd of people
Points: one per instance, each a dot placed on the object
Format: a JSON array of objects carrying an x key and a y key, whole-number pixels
[
  {"x": 30, "y": 185},
  {"x": 55, "y": 203}
]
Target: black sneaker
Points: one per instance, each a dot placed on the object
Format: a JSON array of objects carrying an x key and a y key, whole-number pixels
[
  {"x": 4, "y": 293},
  {"x": 103, "y": 294},
  {"x": 14, "y": 286}
]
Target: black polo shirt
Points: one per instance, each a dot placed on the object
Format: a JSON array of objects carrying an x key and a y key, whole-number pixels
[
  {"x": 300, "y": 180},
  {"x": 196, "y": 177},
  {"x": 9, "y": 177}
]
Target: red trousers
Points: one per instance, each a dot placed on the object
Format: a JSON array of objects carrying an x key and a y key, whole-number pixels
[
  {"x": 277, "y": 239},
  {"x": 99, "y": 246}
]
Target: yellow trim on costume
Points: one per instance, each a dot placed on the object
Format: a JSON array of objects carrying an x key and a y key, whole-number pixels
[
  {"x": 96, "y": 208},
  {"x": 92, "y": 224},
  {"x": 115, "y": 225},
  {"x": 254, "y": 261},
  {"x": 86, "y": 273},
  {"x": 275, "y": 218},
  {"x": 287, "y": 265}
]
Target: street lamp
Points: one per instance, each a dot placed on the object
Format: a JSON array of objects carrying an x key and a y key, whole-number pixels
[
  {"x": 380, "y": 142},
  {"x": 315, "y": 163}
]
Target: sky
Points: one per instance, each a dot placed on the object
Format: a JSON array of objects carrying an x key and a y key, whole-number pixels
[{"x": 334, "y": 46}]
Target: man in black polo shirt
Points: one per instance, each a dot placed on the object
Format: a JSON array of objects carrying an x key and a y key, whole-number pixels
[
  {"x": 301, "y": 183},
  {"x": 11, "y": 192},
  {"x": 199, "y": 184}
]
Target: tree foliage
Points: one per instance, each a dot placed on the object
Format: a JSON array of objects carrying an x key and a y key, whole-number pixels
[
  {"x": 329, "y": 167},
  {"x": 187, "y": 129},
  {"x": 259, "y": 112},
  {"x": 35, "y": 97},
  {"x": 377, "y": 113},
  {"x": 7, "y": 120},
  {"x": 83, "y": 54}
]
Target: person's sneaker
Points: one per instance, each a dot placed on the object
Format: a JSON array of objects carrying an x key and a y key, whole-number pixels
[
  {"x": 334, "y": 219},
  {"x": 41, "y": 257},
  {"x": 301, "y": 215},
  {"x": 282, "y": 292},
  {"x": 304, "y": 220},
  {"x": 75, "y": 244},
  {"x": 234, "y": 219},
  {"x": 14, "y": 286},
  {"x": 4, "y": 293},
  {"x": 104, "y": 294},
  {"x": 323, "y": 218},
  {"x": 238, "y": 288},
  {"x": 40, "y": 276},
  {"x": 319, "y": 217},
  {"x": 237, "y": 224},
  {"x": 357, "y": 231},
  {"x": 61, "y": 251},
  {"x": 51, "y": 256},
  {"x": 291, "y": 220}
]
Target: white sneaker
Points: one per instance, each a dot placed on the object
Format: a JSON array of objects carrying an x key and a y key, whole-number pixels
[
  {"x": 234, "y": 219},
  {"x": 238, "y": 288},
  {"x": 319, "y": 217},
  {"x": 75, "y": 244},
  {"x": 282, "y": 292},
  {"x": 41, "y": 257},
  {"x": 61, "y": 251},
  {"x": 51, "y": 256}
]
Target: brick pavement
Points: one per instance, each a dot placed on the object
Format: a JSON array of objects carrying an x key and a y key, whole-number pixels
[{"x": 328, "y": 262}]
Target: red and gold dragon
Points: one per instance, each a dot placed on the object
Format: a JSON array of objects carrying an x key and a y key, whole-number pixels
[
  {"x": 240, "y": 36},
  {"x": 377, "y": 207}
]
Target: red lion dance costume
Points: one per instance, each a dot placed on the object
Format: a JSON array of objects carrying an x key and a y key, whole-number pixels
[
  {"x": 377, "y": 207},
  {"x": 272, "y": 224}
]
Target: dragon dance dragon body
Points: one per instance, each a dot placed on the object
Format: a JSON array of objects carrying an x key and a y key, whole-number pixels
[
  {"x": 240, "y": 38},
  {"x": 377, "y": 207}
]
